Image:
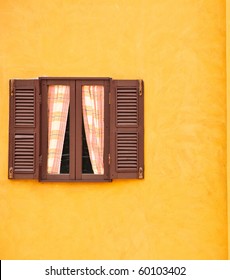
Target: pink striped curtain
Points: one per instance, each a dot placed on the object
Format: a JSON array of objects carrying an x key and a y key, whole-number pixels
[
  {"x": 93, "y": 116},
  {"x": 58, "y": 107}
]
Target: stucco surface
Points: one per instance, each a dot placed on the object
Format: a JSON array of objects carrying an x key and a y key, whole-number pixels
[
  {"x": 179, "y": 210},
  {"x": 228, "y": 115}
]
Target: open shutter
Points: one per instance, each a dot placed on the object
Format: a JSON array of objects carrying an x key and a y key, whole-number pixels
[
  {"x": 24, "y": 129},
  {"x": 127, "y": 129}
]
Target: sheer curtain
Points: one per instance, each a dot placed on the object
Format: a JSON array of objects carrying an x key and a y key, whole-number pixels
[
  {"x": 93, "y": 117},
  {"x": 58, "y": 107}
]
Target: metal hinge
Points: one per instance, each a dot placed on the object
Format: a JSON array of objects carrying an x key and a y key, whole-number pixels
[
  {"x": 140, "y": 176},
  {"x": 109, "y": 98},
  {"x": 11, "y": 172},
  {"x": 40, "y": 160},
  {"x": 109, "y": 159},
  {"x": 12, "y": 87},
  {"x": 140, "y": 88}
]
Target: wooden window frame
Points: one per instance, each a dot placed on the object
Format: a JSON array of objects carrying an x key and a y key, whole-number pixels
[
  {"x": 124, "y": 129},
  {"x": 75, "y": 114}
]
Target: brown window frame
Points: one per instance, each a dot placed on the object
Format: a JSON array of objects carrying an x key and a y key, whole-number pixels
[
  {"x": 28, "y": 129},
  {"x": 75, "y": 115}
]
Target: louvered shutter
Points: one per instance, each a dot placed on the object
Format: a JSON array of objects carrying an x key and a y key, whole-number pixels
[
  {"x": 127, "y": 129},
  {"x": 24, "y": 129}
]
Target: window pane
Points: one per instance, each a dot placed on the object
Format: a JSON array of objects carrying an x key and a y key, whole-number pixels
[
  {"x": 93, "y": 129},
  {"x": 86, "y": 163},
  {"x": 58, "y": 129},
  {"x": 65, "y": 153}
]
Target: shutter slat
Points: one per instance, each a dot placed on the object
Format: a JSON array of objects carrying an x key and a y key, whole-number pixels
[
  {"x": 127, "y": 154},
  {"x": 126, "y": 100},
  {"x": 24, "y": 129},
  {"x": 24, "y": 108},
  {"x": 127, "y": 129}
]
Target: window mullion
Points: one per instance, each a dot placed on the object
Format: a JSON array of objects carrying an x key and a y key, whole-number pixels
[
  {"x": 78, "y": 132},
  {"x": 72, "y": 130}
]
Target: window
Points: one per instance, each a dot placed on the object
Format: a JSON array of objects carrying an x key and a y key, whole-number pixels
[{"x": 76, "y": 129}]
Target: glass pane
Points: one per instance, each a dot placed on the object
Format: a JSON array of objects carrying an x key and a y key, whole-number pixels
[
  {"x": 86, "y": 163},
  {"x": 58, "y": 129},
  {"x": 65, "y": 153},
  {"x": 93, "y": 129}
]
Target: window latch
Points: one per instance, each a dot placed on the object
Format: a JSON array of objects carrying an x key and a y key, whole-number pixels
[
  {"x": 12, "y": 87},
  {"x": 11, "y": 172},
  {"x": 140, "y": 173},
  {"x": 140, "y": 88}
]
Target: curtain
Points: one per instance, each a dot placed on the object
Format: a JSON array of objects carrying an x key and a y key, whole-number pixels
[
  {"x": 93, "y": 117},
  {"x": 58, "y": 107}
]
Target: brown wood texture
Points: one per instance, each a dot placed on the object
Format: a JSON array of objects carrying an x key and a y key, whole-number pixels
[
  {"x": 24, "y": 129},
  {"x": 127, "y": 129},
  {"x": 45, "y": 83},
  {"x": 124, "y": 129},
  {"x": 75, "y": 129}
]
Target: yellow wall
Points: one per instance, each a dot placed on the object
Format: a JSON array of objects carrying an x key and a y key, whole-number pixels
[
  {"x": 228, "y": 110},
  {"x": 179, "y": 210}
]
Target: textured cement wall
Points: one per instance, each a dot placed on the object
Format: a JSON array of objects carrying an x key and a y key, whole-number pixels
[
  {"x": 228, "y": 113},
  {"x": 179, "y": 210}
]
